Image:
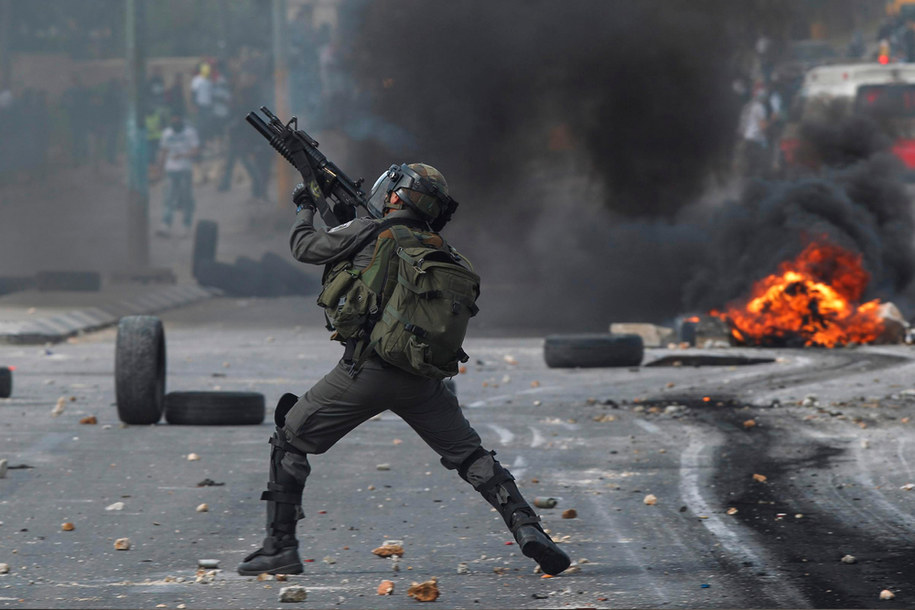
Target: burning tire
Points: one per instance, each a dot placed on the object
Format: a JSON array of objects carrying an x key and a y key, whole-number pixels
[
  {"x": 205, "y": 239},
  {"x": 139, "y": 369},
  {"x": 6, "y": 382},
  {"x": 82, "y": 281},
  {"x": 593, "y": 350},
  {"x": 214, "y": 408}
]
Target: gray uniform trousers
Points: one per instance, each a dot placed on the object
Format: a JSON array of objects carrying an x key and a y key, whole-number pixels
[{"x": 338, "y": 403}]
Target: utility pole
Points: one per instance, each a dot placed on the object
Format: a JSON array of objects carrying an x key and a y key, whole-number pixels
[
  {"x": 6, "y": 62},
  {"x": 281, "y": 92},
  {"x": 137, "y": 155}
]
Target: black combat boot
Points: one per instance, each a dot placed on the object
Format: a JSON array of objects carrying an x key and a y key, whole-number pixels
[
  {"x": 497, "y": 486},
  {"x": 279, "y": 554}
]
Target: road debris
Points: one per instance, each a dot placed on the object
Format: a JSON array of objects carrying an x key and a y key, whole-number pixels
[
  {"x": 760, "y": 478},
  {"x": 604, "y": 418},
  {"x": 732, "y": 511},
  {"x": 908, "y": 487},
  {"x": 383, "y": 467},
  {"x": 59, "y": 408},
  {"x": 293, "y": 593},
  {"x": 208, "y": 564},
  {"x": 463, "y": 568},
  {"x": 264, "y": 577},
  {"x": 750, "y": 423},
  {"x": 4, "y": 568},
  {"x": 192, "y": 457},
  {"x": 569, "y": 513},
  {"x": 650, "y": 500},
  {"x": 387, "y": 550},
  {"x": 329, "y": 560},
  {"x": 887, "y": 594},
  {"x": 849, "y": 559},
  {"x": 67, "y": 527},
  {"x": 509, "y": 359},
  {"x": 545, "y": 502},
  {"x": 115, "y": 506},
  {"x": 205, "y": 577},
  {"x": 202, "y": 508},
  {"x": 386, "y": 587},
  {"x": 122, "y": 544},
  {"x": 425, "y": 591},
  {"x": 209, "y": 483}
]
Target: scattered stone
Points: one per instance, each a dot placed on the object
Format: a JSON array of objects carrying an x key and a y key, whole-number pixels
[
  {"x": 90, "y": 420},
  {"x": 387, "y": 550},
  {"x": 281, "y": 577},
  {"x": 537, "y": 403},
  {"x": 192, "y": 457},
  {"x": 4, "y": 465},
  {"x": 330, "y": 560},
  {"x": 810, "y": 401},
  {"x": 509, "y": 359},
  {"x": 202, "y": 508},
  {"x": 122, "y": 544},
  {"x": 463, "y": 568},
  {"x": 865, "y": 444},
  {"x": 386, "y": 587},
  {"x": 606, "y": 418},
  {"x": 383, "y": 467},
  {"x": 750, "y": 423},
  {"x": 425, "y": 591},
  {"x": 205, "y": 577},
  {"x": 208, "y": 564},
  {"x": 263, "y": 577},
  {"x": 759, "y": 478},
  {"x": 545, "y": 502},
  {"x": 293, "y": 593},
  {"x": 59, "y": 408},
  {"x": 115, "y": 506},
  {"x": 572, "y": 569},
  {"x": 569, "y": 513},
  {"x": 67, "y": 527},
  {"x": 650, "y": 500},
  {"x": 908, "y": 487},
  {"x": 732, "y": 511},
  {"x": 535, "y": 384},
  {"x": 4, "y": 568},
  {"x": 886, "y": 594},
  {"x": 849, "y": 559}
]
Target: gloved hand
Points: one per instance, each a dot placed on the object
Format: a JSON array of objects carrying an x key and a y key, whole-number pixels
[{"x": 302, "y": 198}]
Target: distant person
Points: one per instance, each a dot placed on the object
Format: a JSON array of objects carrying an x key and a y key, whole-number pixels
[
  {"x": 244, "y": 145},
  {"x": 752, "y": 130},
  {"x": 202, "y": 100},
  {"x": 222, "y": 100},
  {"x": 174, "y": 96},
  {"x": 177, "y": 150}
]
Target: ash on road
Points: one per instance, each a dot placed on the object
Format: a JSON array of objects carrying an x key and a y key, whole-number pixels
[{"x": 765, "y": 477}]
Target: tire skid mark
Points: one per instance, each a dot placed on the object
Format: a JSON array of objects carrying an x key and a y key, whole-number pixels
[
  {"x": 503, "y": 397},
  {"x": 613, "y": 530},
  {"x": 880, "y": 510},
  {"x": 695, "y": 458}
]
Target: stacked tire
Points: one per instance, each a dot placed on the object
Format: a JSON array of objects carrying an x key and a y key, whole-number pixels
[
  {"x": 139, "y": 373},
  {"x": 271, "y": 276}
]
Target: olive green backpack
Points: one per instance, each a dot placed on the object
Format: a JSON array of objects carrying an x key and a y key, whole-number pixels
[{"x": 410, "y": 305}]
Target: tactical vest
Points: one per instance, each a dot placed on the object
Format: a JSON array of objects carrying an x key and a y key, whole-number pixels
[{"x": 410, "y": 305}]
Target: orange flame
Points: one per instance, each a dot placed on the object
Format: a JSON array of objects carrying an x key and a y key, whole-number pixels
[{"x": 811, "y": 300}]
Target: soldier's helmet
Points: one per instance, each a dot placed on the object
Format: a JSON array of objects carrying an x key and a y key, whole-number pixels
[{"x": 426, "y": 204}]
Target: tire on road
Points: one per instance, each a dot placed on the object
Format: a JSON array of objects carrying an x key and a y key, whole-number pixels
[
  {"x": 139, "y": 369},
  {"x": 206, "y": 236},
  {"x": 214, "y": 408},
  {"x": 6, "y": 382},
  {"x": 593, "y": 350},
  {"x": 223, "y": 276},
  {"x": 83, "y": 281}
]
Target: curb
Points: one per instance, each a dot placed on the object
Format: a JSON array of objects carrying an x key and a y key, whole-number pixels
[{"x": 57, "y": 328}]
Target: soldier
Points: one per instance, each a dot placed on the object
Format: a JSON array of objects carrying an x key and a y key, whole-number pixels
[{"x": 362, "y": 385}]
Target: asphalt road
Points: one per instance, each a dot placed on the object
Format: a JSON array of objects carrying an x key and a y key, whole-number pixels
[{"x": 831, "y": 437}]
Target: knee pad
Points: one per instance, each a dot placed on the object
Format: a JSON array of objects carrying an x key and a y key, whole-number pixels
[{"x": 286, "y": 402}]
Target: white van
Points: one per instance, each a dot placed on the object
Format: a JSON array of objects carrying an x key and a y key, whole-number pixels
[{"x": 843, "y": 80}]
